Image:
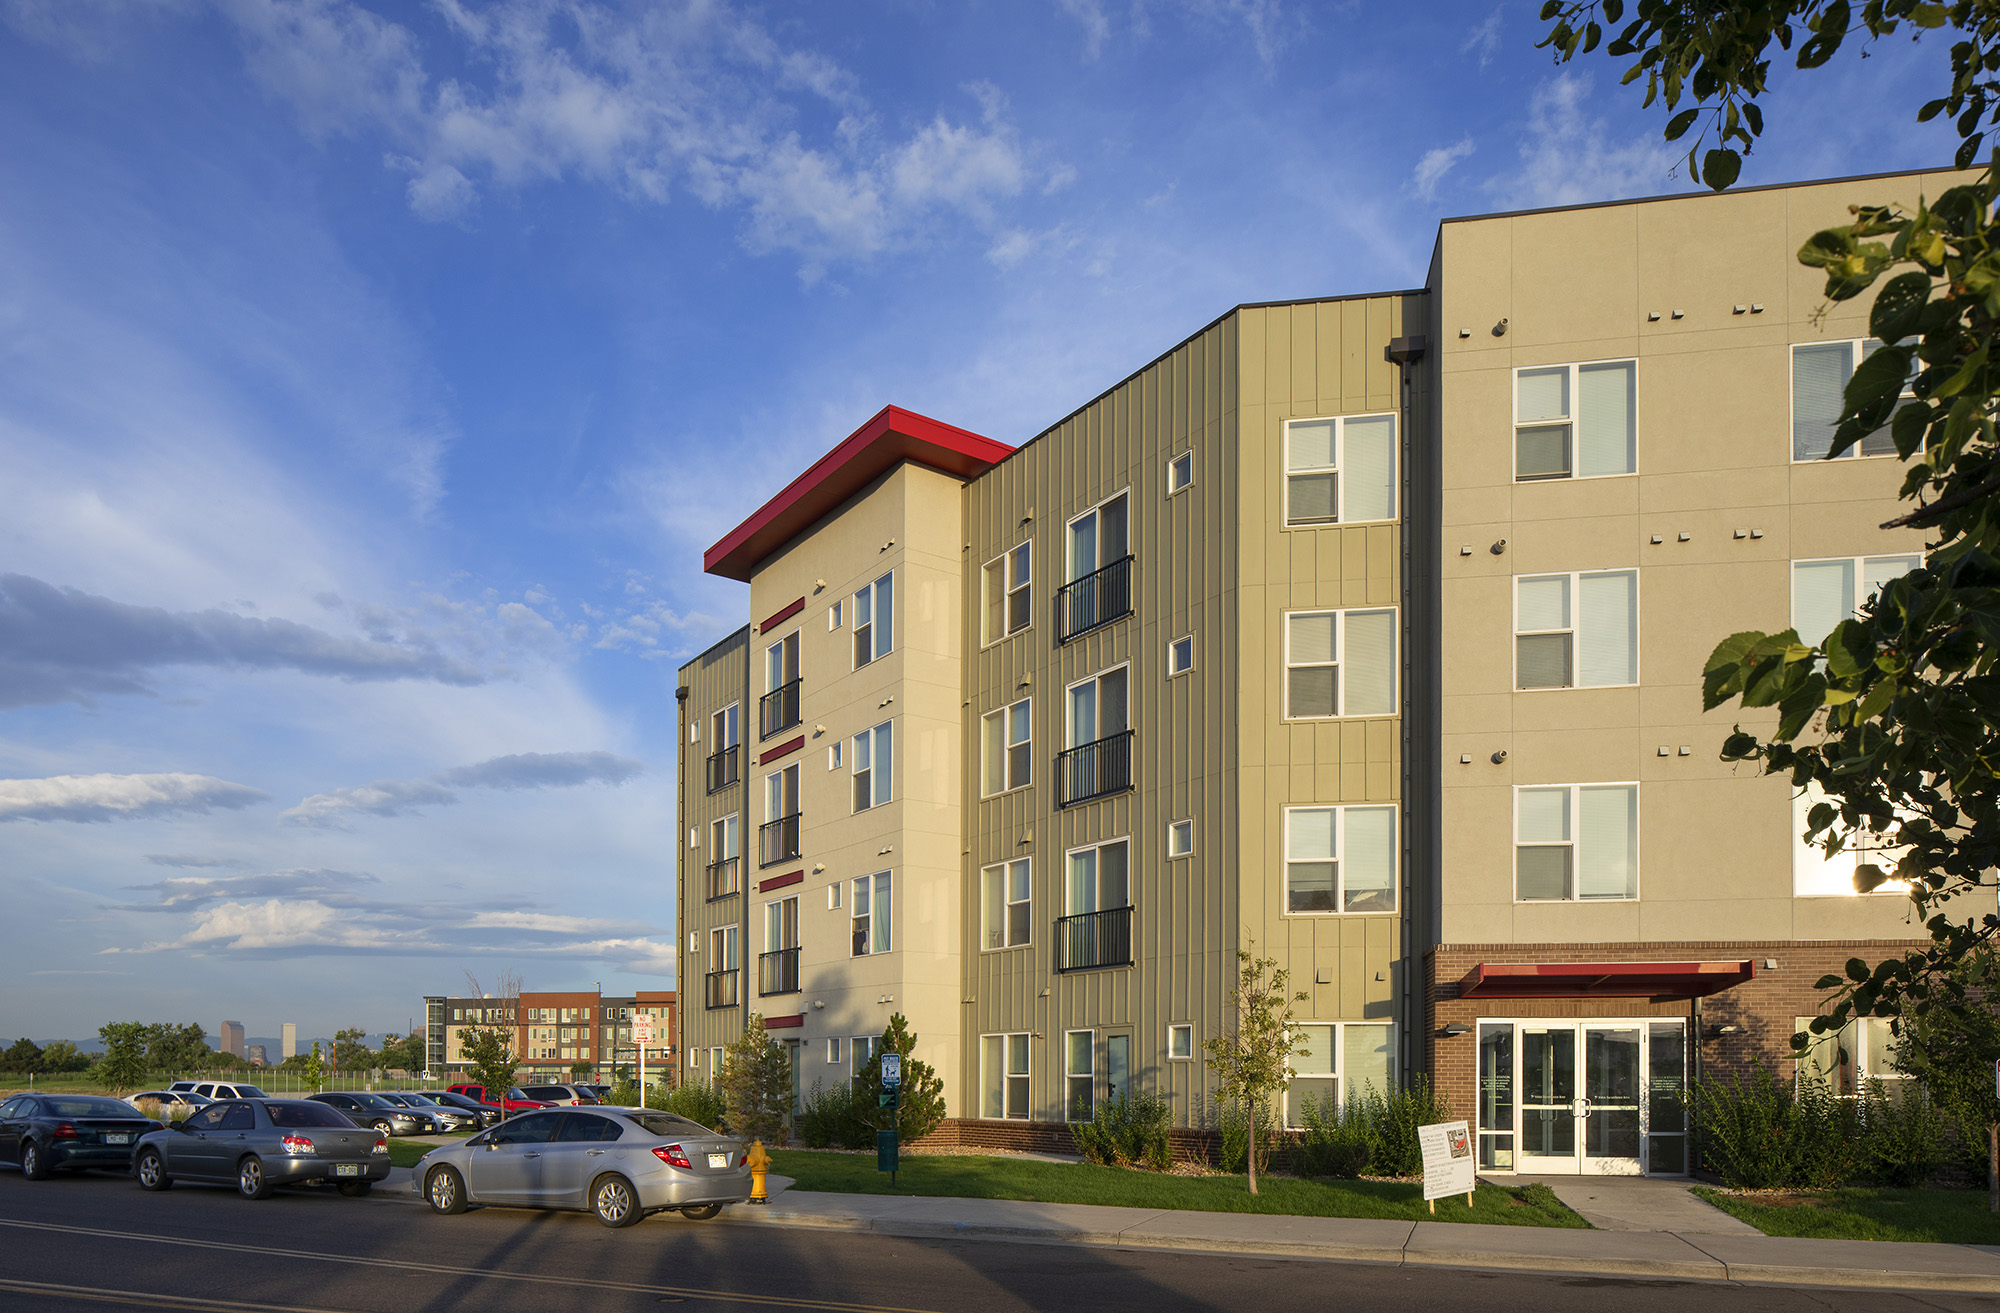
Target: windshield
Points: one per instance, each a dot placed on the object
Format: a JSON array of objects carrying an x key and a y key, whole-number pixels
[
  {"x": 419, "y": 1101},
  {"x": 250, "y": 1092},
  {"x": 305, "y": 1114},
  {"x": 374, "y": 1101},
  {"x": 666, "y": 1125},
  {"x": 87, "y": 1106}
]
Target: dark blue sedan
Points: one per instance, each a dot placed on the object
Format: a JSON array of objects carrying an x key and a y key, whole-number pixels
[{"x": 43, "y": 1133}]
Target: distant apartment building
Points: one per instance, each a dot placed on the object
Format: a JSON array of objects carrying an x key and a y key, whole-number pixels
[
  {"x": 552, "y": 1032},
  {"x": 254, "y": 1054},
  {"x": 1365, "y": 631},
  {"x": 232, "y": 1038},
  {"x": 288, "y": 1043}
]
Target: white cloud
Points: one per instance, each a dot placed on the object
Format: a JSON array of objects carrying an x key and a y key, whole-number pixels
[
  {"x": 526, "y": 770},
  {"x": 118, "y": 797},
  {"x": 1568, "y": 158},
  {"x": 1095, "y": 22},
  {"x": 291, "y": 923},
  {"x": 1485, "y": 39},
  {"x": 1435, "y": 164}
]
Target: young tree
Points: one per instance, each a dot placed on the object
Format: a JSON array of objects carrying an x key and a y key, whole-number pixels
[
  {"x": 921, "y": 1106},
  {"x": 63, "y": 1056},
  {"x": 490, "y": 1060},
  {"x": 580, "y": 1071},
  {"x": 24, "y": 1056},
  {"x": 351, "y": 1051},
  {"x": 177, "y": 1048},
  {"x": 313, "y": 1069},
  {"x": 122, "y": 1065},
  {"x": 756, "y": 1085},
  {"x": 1252, "y": 1061}
]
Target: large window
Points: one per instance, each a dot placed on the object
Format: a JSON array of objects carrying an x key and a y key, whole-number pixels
[
  {"x": 1340, "y": 663},
  {"x": 1820, "y": 373},
  {"x": 1099, "y": 879},
  {"x": 1003, "y": 1076},
  {"x": 723, "y": 729},
  {"x": 778, "y": 836},
  {"x": 864, "y": 1049},
  {"x": 1340, "y": 470},
  {"x": 1340, "y": 859},
  {"x": 1816, "y": 874},
  {"x": 1861, "y": 1051},
  {"x": 1004, "y": 904},
  {"x": 1826, "y": 592},
  {"x": 778, "y": 709},
  {"x": 875, "y": 621},
  {"x": 1098, "y": 568},
  {"x": 722, "y": 948},
  {"x": 874, "y": 766},
  {"x": 1080, "y": 1075},
  {"x": 1576, "y": 421},
  {"x": 871, "y": 909},
  {"x": 1006, "y": 599},
  {"x": 1098, "y": 537},
  {"x": 1097, "y": 708},
  {"x": 778, "y": 964},
  {"x": 1576, "y": 841},
  {"x": 1340, "y": 1061},
  {"x": 1576, "y": 630},
  {"x": 1006, "y": 749},
  {"x": 781, "y": 793}
]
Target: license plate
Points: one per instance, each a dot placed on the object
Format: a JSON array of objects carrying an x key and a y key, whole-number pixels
[
  {"x": 718, "y": 1160},
  {"x": 118, "y": 1137},
  {"x": 347, "y": 1169}
]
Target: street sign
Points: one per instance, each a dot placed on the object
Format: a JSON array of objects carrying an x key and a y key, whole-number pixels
[
  {"x": 642, "y": 1029},
  {"x": 892, "y": 1069}
]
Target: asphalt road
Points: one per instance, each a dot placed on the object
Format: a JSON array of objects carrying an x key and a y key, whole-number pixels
[{"x": 69, "y": 1243}]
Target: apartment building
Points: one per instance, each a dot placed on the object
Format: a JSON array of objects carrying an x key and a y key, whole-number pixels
[
  {"x": 1367, "y": 631},
  {"x": 554, "y": 1031}
]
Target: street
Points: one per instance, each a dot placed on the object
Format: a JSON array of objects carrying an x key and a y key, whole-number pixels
[{"x": 72, "y": 1241}]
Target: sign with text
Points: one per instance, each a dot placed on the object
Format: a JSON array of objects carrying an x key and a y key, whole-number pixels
[
  {"x": 892, "y": 1069},
  {"x": 642, "y": 1029},
  {"x": 1448, "y": 1163}
]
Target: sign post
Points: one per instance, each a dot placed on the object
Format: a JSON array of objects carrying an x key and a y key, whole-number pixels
[
  {"x": 1448, "y": 1165},
  {"x": 891, "y": 1100},
  {"x": 642, "y": 1035}
]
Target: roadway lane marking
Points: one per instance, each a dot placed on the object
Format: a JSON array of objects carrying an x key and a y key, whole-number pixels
[
  {"x": 440, "y": 1269},
  {"x": 94, "y": 1295}
]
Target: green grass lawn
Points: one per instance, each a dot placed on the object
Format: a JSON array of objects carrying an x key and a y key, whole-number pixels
[
  {"x": 404, "y": 1153},
  {"x": 1949, "y": 1216},
  {"x": 971, "y": 1177}
]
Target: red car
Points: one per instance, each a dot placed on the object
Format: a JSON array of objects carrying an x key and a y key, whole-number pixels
[{"x": 514, "y": 1102}]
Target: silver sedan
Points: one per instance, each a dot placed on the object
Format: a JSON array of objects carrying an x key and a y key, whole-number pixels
[{"x": 619, "y": 1163}]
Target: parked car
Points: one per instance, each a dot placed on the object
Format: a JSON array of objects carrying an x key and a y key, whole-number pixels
[
  {"x": 40, "y": 1133},
  {"x": 602, "y": 1093},
  {"x": 568, "y": 1096},
  {"x": 619, "y": 1163},
  {"x": 453, "y": 1119},
  {"x": 217, "y": 1089},
  {"x": 365, "y": 1109},
  {"x": 487, "y": 1113},
  {"x": 260, "y": 1144},
  {"x": 512, "y": 1102},
  {"x": 170, "y": 1099}
]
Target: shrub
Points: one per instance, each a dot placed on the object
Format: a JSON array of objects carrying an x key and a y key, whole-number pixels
[
  {"x": 827, "y": 1117},
  {"x": 1233, "y": 1128},
  {"x": 1131, "y": 1129},
  {"x": 701, "y": 1104},
  {"x": 1760, "y": 1133},
  {"x": 1392, "y": 1120},
  {"x": 1331, "y": 1145},
  {"x": 625, "y": 1094},
  {"x": 1903, "y": 1135},
  {"x": 922, "y": 1097}
]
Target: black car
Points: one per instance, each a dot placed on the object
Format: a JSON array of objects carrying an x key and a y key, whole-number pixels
[
  {"x": 488, "y": 1114},
  {"x": 43, "y": 1132},
  {"x": 258, "y": 1144}
]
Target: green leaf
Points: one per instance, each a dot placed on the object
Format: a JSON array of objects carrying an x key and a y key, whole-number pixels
[
  {"x": 1722, "y": 678},
  {"x": 1868, "y": 877},
  {"x": 1826, "y": 246},
  {"x": 1678, "y": 125},
  {"x": 1898, "y": 307},
  {"x": 1719, "y": 168},
  {"x": 1857, "y": 970}
]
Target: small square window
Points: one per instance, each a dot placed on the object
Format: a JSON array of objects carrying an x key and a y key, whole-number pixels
[
  {"x": 1180, "y": 1041},
  {"x": 833, "y": 1048},
  {"x": 1180, "y": 655},
  {"x": 833, "y": 897},
  {"x": 833, "y": 615},
  {"x": 833, "y": 755},
  {"x": 1180, "y": 472},
  {"x": 1180, "y": 838}
]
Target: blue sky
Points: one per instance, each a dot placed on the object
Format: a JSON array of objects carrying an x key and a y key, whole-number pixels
[{"x": 372, "y": 375}]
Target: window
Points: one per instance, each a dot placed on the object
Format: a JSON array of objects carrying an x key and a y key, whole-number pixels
[
  {"x": 875, "y": 621},
  {"x": 1004, "y": 904},
  {"x": 1340, "y": 470},
  {"x": 833, "y": 1049},
  {"x": 781, "y": 925},
  {"x": 1576, "y": 630},
  {"x": 833, "y": 897},
  {"x": 1820, "y": 373},
  {"x": 1180, "y": 472},
  {"x": 871, "y": 914},
  {"x": 1824, "y": 593},
  {"x": 781, "y": 662},
  {"x": 1098, "y": 879},
  {"x": 1006, "y": 749},
  {"x": 1180, "y": 1041},
  {"x": 778, "y": 709},
  {"x": 1815, "y": 874},
  {"x": 1320, "y": 644},
  {"x": 1006, "y": 594},
  {"x": 723, "y": 728},
  {"x": 1576, "y": 421},
  {"x": 873, "y": 767},
  {"x": 722, "y": 839},
  {"x": 714, "y": 1063},
  {"x": 1340, "y": 859},
  {"x": 1003, "y": 1076},
  {"x": 1180, "y": 838},
  {"x": 722, "y": 948},
  {"x": 781, "y": 794},
  {"x": 833, "y": 757},
  {"x": 1080, "y": 1075},
  {"x": 864, "y": 1048},
  {"x": 1180, "y": 655},
  {"x": 1863, "y": 1050},
  {"x": 1576, "y": 841},
  {"x": 833, "y": 616},
  {"x": 1339, "y": 1062},
  {"x": 1097, "y": 538},
  {"x": 1097, "y": 708}
]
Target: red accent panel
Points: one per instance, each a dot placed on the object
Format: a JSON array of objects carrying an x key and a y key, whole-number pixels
[
  {"x": 1659, "y": 981},
  {"x": 893, "y": 435},
  {"x": 782, "y": 616},
  {"x": 792, "y": 745},
  {"x": 785, "y": 1023},
  {"x": 780, "y": 881}
]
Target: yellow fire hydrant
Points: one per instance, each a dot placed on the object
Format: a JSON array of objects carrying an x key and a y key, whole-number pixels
[{"x": 760, "y": 1163}]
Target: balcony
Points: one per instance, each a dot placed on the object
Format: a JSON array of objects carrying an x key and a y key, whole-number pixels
[
  {"x": 778, "y": 973},
  {"x": 1094, "y": 770},
  {"x": 778, "y": 841},
  {"x": 722, "y": 988},
  {"x": 1094, "y": 600},
  {"x": 1090, "y": 940},
  {"x": 725, "y": 767},
  {"x": 725, "y": 878},
  {"x": 778, "y": 709}
]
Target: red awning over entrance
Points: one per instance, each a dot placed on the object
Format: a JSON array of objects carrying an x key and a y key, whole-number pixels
[{"x": 1659, "y": 981}]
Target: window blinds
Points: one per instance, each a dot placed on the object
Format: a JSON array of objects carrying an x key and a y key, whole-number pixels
[
  {"x": 1819, "y": 376},
  {"x": 1368, "y": 464},
  {"x": 1607, "y": 403},
  {"x": 1609, "y": 648}
]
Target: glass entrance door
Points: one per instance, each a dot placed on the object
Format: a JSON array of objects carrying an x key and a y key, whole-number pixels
[
  {"x": 1610, "y": 1104},
  {"x": 1589, "y": 1097},
  {"x": 1548, "y": 1098}
]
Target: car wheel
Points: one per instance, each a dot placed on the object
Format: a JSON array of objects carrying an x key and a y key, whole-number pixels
[
  {"x": 701, "y": 1212},
  {"x": 151, "y": 1170},
  {"x": 614, "y": 1202},
  {"x": 34, "y": 1162},
  {"x": 354, "y": 1189},
  {"x": 445, "y": 1189},
  {"x": 251, "y": 1182},
  {"x": 381, "y": 1128}
]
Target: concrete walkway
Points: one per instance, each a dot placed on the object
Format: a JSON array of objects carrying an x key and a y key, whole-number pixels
[{"x": 1639, "y": 1203}]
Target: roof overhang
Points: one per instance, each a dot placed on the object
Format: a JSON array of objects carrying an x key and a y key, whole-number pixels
[
  {"x": 1658, "y": 981},
  {"x": 893, "y": 436}
]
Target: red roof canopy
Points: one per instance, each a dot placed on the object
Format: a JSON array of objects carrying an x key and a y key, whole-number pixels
[
  {"x": 892, "y": 436},
  {"x": 1659, "y": 981}
]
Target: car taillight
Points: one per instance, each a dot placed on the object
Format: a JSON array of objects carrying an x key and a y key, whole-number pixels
[
  {"x": 65, "y": 1131},
  {"x": 298, "y": 1144},
  {"x": 381, "y": 1146},
  {"x": 674, "y": 1156}
]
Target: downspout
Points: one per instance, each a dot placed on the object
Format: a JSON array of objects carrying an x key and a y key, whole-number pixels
[
  {"x": 679, "y": 1040},
  {"x": 1405, "y": 352}
]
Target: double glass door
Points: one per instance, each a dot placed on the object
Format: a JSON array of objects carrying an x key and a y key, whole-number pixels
[{"x": 1594, "y": 1098}]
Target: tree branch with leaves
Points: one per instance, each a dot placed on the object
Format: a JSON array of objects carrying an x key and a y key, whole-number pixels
[{"x": 1252, "y": 1059}]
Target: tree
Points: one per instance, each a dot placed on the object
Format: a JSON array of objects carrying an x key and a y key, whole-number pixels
[
  {"x": 177, "y": 1048},
  {"x": 1252, "y": 1061},
  {"x": 1893, "y": 717},
  {"x": 756, "y": 1084},
  {"x": 24, "y": 1056},
  {"x": 489, "y": 1059},
  {"x": 580, "y": 1070},
  {"x": 122, "y": 1065},
  {"x": 63, "y": 1056},
  {"x": 351, "y": 1051},
  {"x": 921, "y": 1105}
]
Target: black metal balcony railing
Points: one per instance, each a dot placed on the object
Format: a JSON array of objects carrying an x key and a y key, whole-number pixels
[
  {"x": 722, "y": 988},
  {"x": 778, "y": 709},
  {"x": 1092, "y": 770},
  {"x": 725, "y": 878},
  {"x": 778, "y": 973},
  {"x": 725, "y": 767},
  {"x": 778, "y": 841},
  {"x": 1096, "y": 599},
  {"x": 1094, "y": 939}
]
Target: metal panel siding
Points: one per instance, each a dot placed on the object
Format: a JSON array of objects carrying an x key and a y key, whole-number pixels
[{"x": 714, "y": 679}]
